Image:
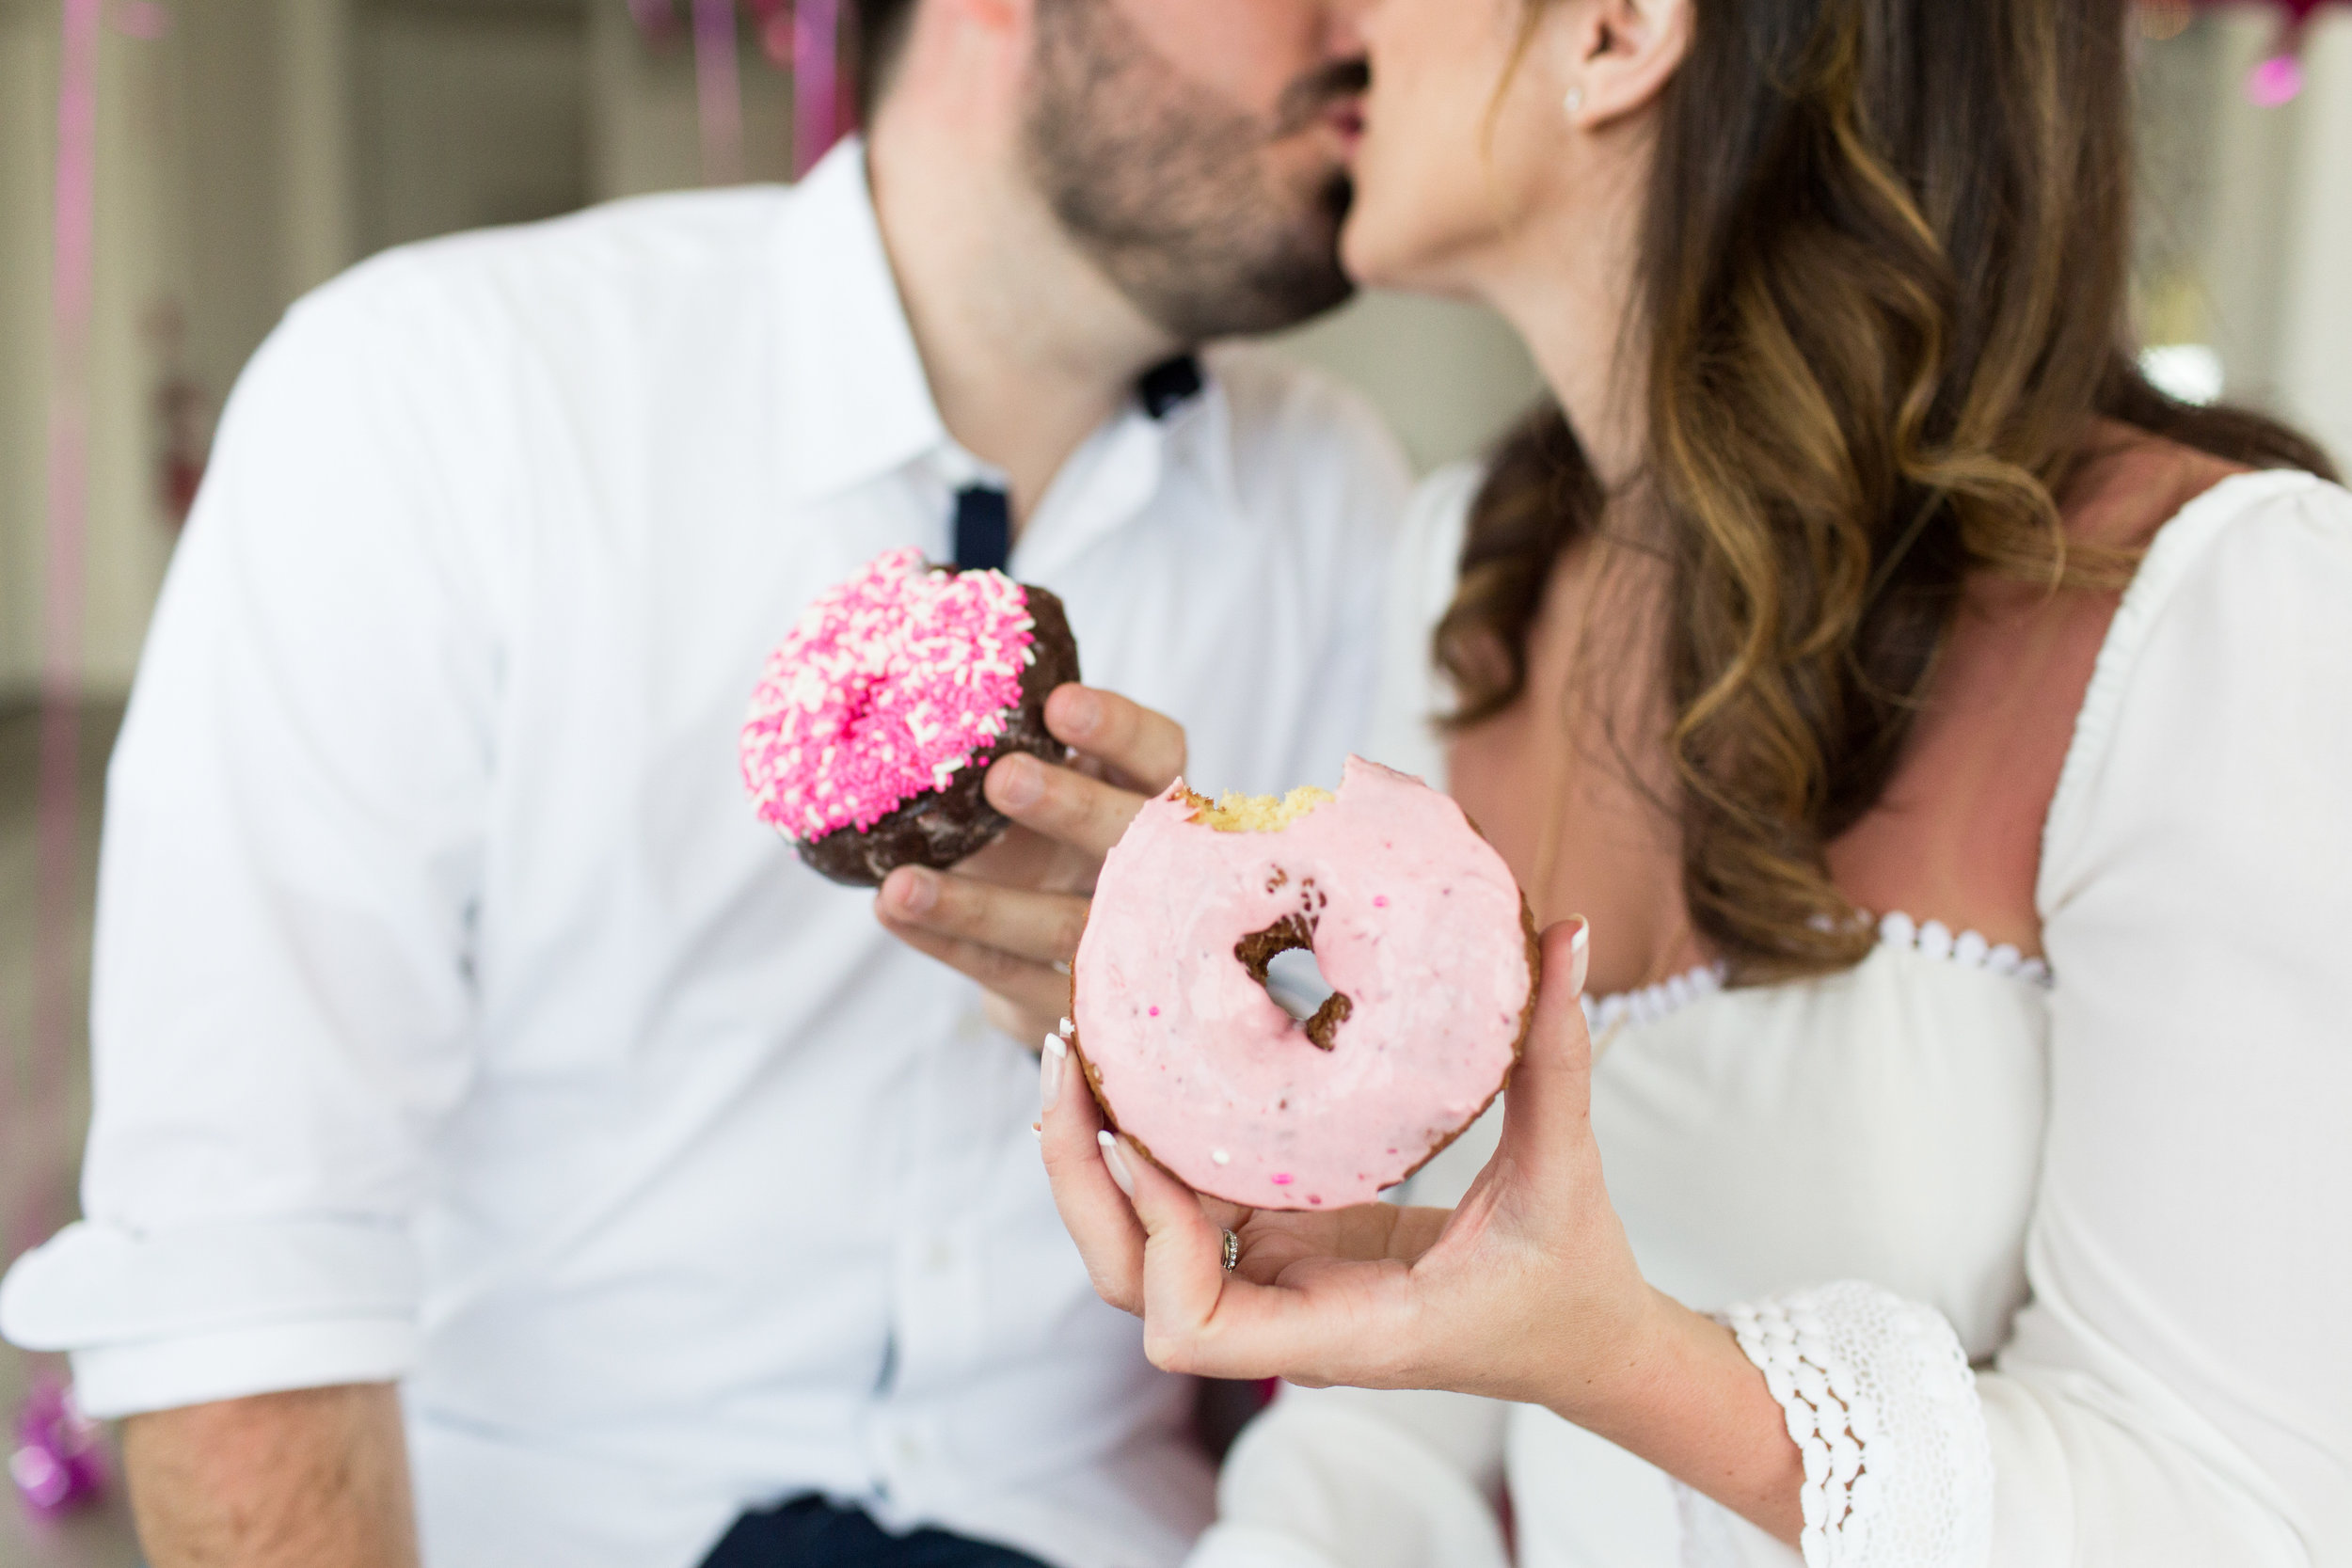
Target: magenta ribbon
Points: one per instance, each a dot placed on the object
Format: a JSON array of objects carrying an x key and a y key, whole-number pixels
[
  {"x": 718, "y": 92},
  {"x": 816, "y": 122},
  {"x": 55, "y": 1462}
]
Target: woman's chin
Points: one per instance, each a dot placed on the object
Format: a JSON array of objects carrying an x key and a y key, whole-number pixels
[
  {"x": 1379, "y": 255},
  {"x": 1370, "y": 252}
]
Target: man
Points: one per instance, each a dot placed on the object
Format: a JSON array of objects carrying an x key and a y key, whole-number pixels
[{"x": 457, "y": 1030}]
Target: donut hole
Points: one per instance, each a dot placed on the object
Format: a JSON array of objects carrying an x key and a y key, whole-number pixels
[
  {"x": 1281, "y": 960},
  {"x": 1296, "y": 981}
]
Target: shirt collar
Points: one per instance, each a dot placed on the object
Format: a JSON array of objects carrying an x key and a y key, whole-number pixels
[
  {"x": 1199, "y": 432},
  {"x": 857, "y": 403}
]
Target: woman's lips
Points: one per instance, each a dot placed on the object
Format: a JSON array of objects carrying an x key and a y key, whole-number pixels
[{"x": 1346, "y": 122}]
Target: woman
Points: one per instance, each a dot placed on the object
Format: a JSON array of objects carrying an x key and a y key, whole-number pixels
[{"x": 1856, "y": 570}]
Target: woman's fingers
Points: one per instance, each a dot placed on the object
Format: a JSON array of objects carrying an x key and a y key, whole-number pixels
[
  {"x": 1144, "y": 748},
  {"x": 1550, "y": 1096},
  {"x": 1098, "y": 1216},
  {"x": 1184, "y": 1254},
  {"x": 1018, "y": 923},
  {"x": 1061, "y": 803},
  {"x": 1329, "y": 1319}
]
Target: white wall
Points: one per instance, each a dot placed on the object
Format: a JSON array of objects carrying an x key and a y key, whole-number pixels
[
  {"x": 138, "y": 252},
  {"x": 2256, "y": 208},
  {"x": 1450, "y": 377},
  {"x": 2313, "y": 376},
  {"x": 468, "y": 121},
  {"x": 643, "y": 124}
]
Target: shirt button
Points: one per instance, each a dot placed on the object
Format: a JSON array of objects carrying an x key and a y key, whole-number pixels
[
  {"x": 940, "y": 1257},
  {"x": 910, "y": 1449},
  {"x": 972, "y": 1026}
]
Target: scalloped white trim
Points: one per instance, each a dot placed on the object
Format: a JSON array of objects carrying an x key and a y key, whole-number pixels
[
  {"x": 1652, "y": 1003},
  {"x": 1967, "y": 948},
  {"x": 1930, "y": 939}
]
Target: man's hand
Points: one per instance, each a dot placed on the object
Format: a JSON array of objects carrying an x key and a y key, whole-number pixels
[
  {"x": 1010, "y": 915},
  {"x": 314, "y": 1479}
]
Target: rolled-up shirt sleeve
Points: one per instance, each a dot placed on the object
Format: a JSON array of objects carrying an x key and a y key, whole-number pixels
[{"x": 281, "y": 1012}]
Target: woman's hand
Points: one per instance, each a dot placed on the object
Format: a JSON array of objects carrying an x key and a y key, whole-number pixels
[
  {"x": 1010, "y": 915},
  {"x": 1377, "y": 1295},
  {"x": 1527, "y": 1292}
]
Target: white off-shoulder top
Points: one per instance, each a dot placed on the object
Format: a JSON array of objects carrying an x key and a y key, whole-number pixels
[{"x": 2047, "y": 1265}]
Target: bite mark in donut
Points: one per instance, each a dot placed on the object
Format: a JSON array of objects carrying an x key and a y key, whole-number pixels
[{"x": 1416, "y": 925}]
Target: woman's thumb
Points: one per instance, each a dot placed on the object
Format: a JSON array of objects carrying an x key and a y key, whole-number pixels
[{"x": 1550, "y": 1088}]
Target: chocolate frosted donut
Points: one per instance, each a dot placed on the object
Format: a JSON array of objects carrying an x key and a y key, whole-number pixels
[
  {"x": 876, "y": 720},
  {"x": 1414, "y": 921}
]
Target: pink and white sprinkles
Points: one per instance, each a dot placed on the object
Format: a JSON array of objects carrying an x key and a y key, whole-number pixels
[{"x": 885, "y": 687}]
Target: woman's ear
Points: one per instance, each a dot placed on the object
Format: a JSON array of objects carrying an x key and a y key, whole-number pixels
[{"x": 1615, "y": 57}]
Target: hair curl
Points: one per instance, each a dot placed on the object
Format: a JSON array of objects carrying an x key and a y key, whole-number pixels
[{"x": 1883, "y": 287}]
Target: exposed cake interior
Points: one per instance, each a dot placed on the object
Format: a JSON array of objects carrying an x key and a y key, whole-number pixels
[{"x": 1258, "y": 813}]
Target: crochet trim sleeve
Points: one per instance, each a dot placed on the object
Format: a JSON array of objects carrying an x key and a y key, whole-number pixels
[{"x": 1882, "y": 1403}]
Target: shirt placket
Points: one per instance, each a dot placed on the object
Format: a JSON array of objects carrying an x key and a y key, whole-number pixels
[{"x": 938, "y": 1289}]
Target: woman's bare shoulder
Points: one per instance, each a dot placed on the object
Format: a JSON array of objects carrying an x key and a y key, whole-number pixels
[
  {"x": 2128, "y": 484},
  {"x": 1958, "y": 835}
]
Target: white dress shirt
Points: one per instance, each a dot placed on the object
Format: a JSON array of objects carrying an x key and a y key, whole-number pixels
[
  {"x": 2119, "y": 1185},
  {"x": 455, "y": 1019}
]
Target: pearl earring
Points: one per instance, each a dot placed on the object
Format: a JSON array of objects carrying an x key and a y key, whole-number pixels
[{"x": 1574, "y": 103}]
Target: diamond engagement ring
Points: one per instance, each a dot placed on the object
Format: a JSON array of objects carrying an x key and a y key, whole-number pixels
[{"x": 1232, "y": 1251}]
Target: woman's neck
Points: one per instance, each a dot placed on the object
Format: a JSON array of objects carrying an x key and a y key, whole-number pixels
[{"x": 1570, "y": 289}]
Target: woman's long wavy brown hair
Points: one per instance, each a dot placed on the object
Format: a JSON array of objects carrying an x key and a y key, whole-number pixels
[{"x": 1883, "y": 289}]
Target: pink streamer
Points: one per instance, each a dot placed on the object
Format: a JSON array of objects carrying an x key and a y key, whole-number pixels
[
  {"x": 815, "y": 81},
  {"x": 719, "y": 91},
  {"x": 57, "y": 818},
  {"x": 53, "y": 1463}
]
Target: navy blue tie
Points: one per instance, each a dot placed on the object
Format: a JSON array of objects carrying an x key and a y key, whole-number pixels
[{"x": 983, "y": 528}]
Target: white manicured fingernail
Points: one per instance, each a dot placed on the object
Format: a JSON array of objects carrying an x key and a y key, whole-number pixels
[
  {"x": 1050, "y": 1063},
  {"x": 1580, "y": 955},
  {"x": 1115, "y": 1163}
]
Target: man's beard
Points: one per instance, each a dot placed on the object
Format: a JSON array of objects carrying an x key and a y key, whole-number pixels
[{"x": 1162, "y": 183}]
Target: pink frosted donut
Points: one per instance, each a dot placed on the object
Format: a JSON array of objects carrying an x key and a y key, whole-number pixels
[
  {"x": 876, "y": 720},
  {"x": 1413, "y": 918}
]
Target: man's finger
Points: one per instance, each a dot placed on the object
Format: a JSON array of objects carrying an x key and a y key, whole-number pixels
[
  {"x": 1060, "y": 802},
  {"x": 1038, "y": 928},
  {"x": 1147, "y": 749},
  {"x": 1096, "y": 1213}
]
